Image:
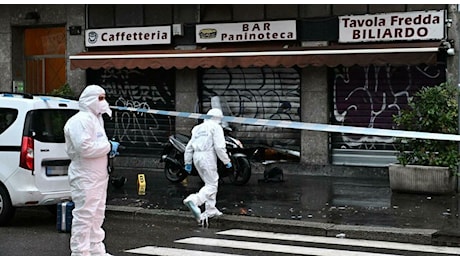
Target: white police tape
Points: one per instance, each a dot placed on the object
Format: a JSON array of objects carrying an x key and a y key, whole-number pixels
[{"x": 302, "y": 125}]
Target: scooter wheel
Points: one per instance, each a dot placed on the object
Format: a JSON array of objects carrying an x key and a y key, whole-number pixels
[
  {"x": 242, "y": 171},
  {"x": 174, "y": 174}
]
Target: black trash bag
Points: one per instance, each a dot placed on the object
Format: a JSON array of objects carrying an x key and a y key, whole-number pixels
[
  {"x": 118, "y": 181},
  {"x": 274, "y": 174}
]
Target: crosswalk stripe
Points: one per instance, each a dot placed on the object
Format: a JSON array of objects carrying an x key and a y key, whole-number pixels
[
  {"x": 341, "y": 241},
  {"x": 168, "y": 251},
  {"x": 297, "y": 250}
]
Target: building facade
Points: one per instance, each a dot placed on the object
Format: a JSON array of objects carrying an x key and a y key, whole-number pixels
[{"x": 345, "y": 65}]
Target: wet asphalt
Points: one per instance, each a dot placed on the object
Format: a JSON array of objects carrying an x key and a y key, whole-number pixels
[{"x": 360, "y": 202}]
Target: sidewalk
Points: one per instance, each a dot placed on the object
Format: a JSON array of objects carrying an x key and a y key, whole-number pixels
[{"x": 357, "y": 206}]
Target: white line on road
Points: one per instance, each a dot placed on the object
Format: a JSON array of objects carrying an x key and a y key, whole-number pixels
[
  {"x": 341, "y": 241},
  {"x": 167, "y": 251},
  {"x": 296, "y": 250}
]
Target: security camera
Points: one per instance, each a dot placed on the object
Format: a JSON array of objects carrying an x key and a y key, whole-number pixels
[{"x": 451, "y": 51}]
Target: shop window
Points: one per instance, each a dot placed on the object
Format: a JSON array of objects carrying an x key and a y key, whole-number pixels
[
  {"x": 214, "y": 13},
  {"x": 101, "y": 16},
  {"x": 129, "y": 15}
]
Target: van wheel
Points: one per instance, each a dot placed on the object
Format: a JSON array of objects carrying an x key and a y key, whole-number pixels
[{"x": 6, "y": 208}]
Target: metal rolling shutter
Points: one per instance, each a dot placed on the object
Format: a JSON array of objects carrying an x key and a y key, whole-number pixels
[
  {"x": 142, "y": 134},
  {"x": 267, "y": 93},
  {"x": 368, "y": 97}
]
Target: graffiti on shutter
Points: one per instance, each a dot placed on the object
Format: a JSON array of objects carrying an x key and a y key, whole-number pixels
[
  {"x": 267, "y": 93},
  {"x": 369, "y": 97},
  {"x": 142, "y": 134}
]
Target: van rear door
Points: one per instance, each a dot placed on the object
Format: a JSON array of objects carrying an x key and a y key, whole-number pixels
[{"x": 50, "y": 161}]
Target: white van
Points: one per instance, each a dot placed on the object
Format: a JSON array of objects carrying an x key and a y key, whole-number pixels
[{"x": 33, "y": 162}]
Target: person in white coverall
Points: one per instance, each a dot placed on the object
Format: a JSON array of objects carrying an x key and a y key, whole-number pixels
[
  {"x": 88, "y": 146},
  {"x": 206, "y": 145}
]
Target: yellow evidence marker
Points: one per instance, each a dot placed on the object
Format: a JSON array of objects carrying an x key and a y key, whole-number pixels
[{"x": 141, "y": 184}]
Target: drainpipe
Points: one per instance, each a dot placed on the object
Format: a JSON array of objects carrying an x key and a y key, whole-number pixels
[
  {"x": 454, "y": 14},
  {"x": 453, "y": 62}
]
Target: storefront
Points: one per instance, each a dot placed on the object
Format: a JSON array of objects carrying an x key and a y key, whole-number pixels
[{"x": 359, "y": 73}]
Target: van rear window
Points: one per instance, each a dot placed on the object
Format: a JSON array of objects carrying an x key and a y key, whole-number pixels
[
  {"x": 7, "y": 117},
  {"x": 47, "y": 125}
]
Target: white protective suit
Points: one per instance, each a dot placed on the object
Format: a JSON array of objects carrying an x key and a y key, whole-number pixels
[
  {"x": 205, "y": 146},
  {"x": 87, "y": 146}
]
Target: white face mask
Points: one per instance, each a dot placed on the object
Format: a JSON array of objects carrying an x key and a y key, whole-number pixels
[{"x": 104, "y": 108}]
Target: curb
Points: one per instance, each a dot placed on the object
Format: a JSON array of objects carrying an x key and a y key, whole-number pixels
[{"x": 403, "y": 235}]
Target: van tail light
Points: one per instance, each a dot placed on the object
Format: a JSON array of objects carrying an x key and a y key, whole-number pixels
[{"x": 26, "y": 159}]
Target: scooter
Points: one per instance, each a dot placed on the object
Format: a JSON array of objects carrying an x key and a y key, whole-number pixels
[{"x": 173, "y": 157}]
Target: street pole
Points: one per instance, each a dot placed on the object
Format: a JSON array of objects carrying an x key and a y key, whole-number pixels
[{"x": 456, "y": 33}]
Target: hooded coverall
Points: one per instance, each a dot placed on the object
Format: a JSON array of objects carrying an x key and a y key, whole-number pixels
[
  {"x": 87, "y": 146},
  {"x": 205, "y": 146}
]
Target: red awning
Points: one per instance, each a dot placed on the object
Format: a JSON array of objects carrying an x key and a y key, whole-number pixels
[{"x": 378, "y": 54}]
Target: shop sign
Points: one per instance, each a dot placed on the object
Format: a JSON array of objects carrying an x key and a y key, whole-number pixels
[
  {"x": 246, "y": 32},
  {"x": 128, "y": 36},
  {"x": 422, "y": 25}
]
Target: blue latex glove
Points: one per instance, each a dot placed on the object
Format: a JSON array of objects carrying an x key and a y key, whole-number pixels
[
  {"x": 114, "y": 148},
  {"x": 228, "y": 165},
  {"x": 188, "y": 168}
]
